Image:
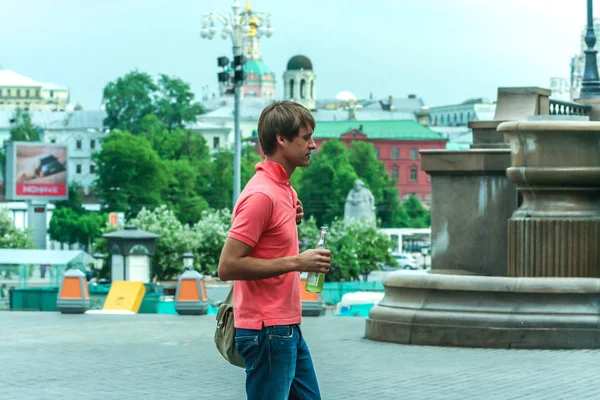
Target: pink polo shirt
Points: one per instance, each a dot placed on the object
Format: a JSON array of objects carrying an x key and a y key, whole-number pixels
[{"x": 264, "y": 217}]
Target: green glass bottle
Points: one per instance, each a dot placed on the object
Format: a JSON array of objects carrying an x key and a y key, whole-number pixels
[{"x": 315, "y": 280}]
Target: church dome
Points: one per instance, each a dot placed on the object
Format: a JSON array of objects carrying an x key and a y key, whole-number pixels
[
  {"x": 345, "y": 96},
  {"x": 299, "y": 62}
]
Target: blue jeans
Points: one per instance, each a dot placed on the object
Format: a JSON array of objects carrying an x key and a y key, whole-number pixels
[{"x": 278, "y": 364}]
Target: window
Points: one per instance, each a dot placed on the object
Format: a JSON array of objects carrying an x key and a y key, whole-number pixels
[
  {"x": 414, "y": 153},
  {"x": 78, "y": 144},
  {"x": 18, "y": 92},
  {"x": 78, "y": 168},
  {"x": 395, "y": 174},
  {"x": 27, "y": 93},
  {"x": 413, "y": 175},
  {"x": 92, "y": 169},
  {"x": 377, "y": 151},
  {"x": 52, "y": 140},
  {"x": 52, "y": 93},
  {"x": 394, "y": 153},
  {"x": 37, "y": 93},
  {"x": 395, "y": 239},
  {"x": 215, "y": 142},
  {"x": 92, "y": 144}
]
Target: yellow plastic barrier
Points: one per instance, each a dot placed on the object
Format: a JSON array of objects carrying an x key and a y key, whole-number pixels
[{"x": 125, "y": 296}]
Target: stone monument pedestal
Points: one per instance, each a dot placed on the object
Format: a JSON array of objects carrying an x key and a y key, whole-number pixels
[
  {"x": 477, "y": 311},
  {"x": 542, "y": 261}
]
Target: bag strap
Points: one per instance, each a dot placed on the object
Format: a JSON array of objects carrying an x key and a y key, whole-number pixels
[{"x": 229, "y": 298}]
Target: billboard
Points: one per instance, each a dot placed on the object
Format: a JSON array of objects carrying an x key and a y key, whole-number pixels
[{"x": 36, "y": 171}]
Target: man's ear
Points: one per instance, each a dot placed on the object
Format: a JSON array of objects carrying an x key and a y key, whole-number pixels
[{"x": 280, "y": 139}]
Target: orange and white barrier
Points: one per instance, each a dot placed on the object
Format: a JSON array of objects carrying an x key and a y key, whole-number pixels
[
  {"x": 190, "y": 297},
  {"x": 73, "y": 294},
  {"x": 312, "y": 303}
]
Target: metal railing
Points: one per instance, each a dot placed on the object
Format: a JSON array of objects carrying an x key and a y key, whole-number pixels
[{"x": 561, "y": 107}]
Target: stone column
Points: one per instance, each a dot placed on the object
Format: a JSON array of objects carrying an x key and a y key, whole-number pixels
[
  {"x": 556, "y": 230},
  {"x": 486, "y": 136},
  {"x": 471, "y": 201}
]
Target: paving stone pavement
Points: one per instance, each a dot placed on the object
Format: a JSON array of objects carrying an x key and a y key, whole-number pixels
[{"x": 54, "y": 356}]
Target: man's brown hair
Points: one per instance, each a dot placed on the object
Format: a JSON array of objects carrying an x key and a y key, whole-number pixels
[{"x": 283, "y": 118}]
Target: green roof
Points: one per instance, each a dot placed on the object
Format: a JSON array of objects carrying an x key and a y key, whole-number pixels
[
  {"x": 388, "y": 129},
  {"x": 258, "y": 67}
]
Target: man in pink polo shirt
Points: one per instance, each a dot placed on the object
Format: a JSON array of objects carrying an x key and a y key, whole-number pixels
[{"x": 261, "y": 254}]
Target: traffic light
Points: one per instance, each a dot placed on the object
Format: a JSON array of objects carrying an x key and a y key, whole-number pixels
[
  {"x": 238, "y": 69},
  {"x": 239, "y": 76},
  {"x": 223, "y": 77},
  {"x": 239, "y": 61},
  {"x": 222, "y": 61}
]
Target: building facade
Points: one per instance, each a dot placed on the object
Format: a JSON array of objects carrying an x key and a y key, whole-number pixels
[
  {"x": 397, "y": 144},
  {"x": 81, "y": 132},
  {"x": 479, "y": 109},
  {"x": 18, "y": 91}
]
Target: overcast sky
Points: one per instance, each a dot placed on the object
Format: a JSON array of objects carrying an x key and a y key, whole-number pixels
[{"x": 442, "y": 50}]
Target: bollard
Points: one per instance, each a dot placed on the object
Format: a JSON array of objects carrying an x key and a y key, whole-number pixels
[
  {"x": 73, "y": 294},
  {"x": 190, "y": 297}
]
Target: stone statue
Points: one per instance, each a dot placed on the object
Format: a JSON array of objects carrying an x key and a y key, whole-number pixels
[{"x": 360, "y": 203}]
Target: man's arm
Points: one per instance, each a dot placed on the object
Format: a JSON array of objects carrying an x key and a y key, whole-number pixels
[{"x": 235, "y": 264}]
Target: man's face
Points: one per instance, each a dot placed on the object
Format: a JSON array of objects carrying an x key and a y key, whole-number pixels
[{"x": 299, "y": 150}]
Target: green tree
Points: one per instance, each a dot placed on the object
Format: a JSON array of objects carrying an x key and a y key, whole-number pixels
[
  {"x": 10, "y": 236},
  {"x": 219, "y": 190},
  {"x": 393, "y": 213},
  {"x": 356, "y": 248},
  {"x": 74, "y": 200},
  {"x": 23, "y": 129},
  {"x": 325, "y": 184},
  {"x": 187, "y": 164},
  {"x": 181, "y": 191},
  {"x": 134, "y": 96},
  {"x": 131, "y": 175},
  {"x": 204, "y": 239},
  {"x": 63, "y": 226},
  {"x": 308, "y": 233},
  {"x": 127, "y": 100},
  {"x": 175, "y": 102},
  {"x": 418, "y": 216},
  {"x": 71, "y": 223},
  {"x": 211, "y": 231}
]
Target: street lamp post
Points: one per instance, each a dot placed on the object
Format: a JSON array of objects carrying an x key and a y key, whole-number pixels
[
  {"x": 590, "y": 85},
  {"x": 188, "y": 261},
  {"x": 236, "y": 25},
  {"x": 98, "y": 260}
]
